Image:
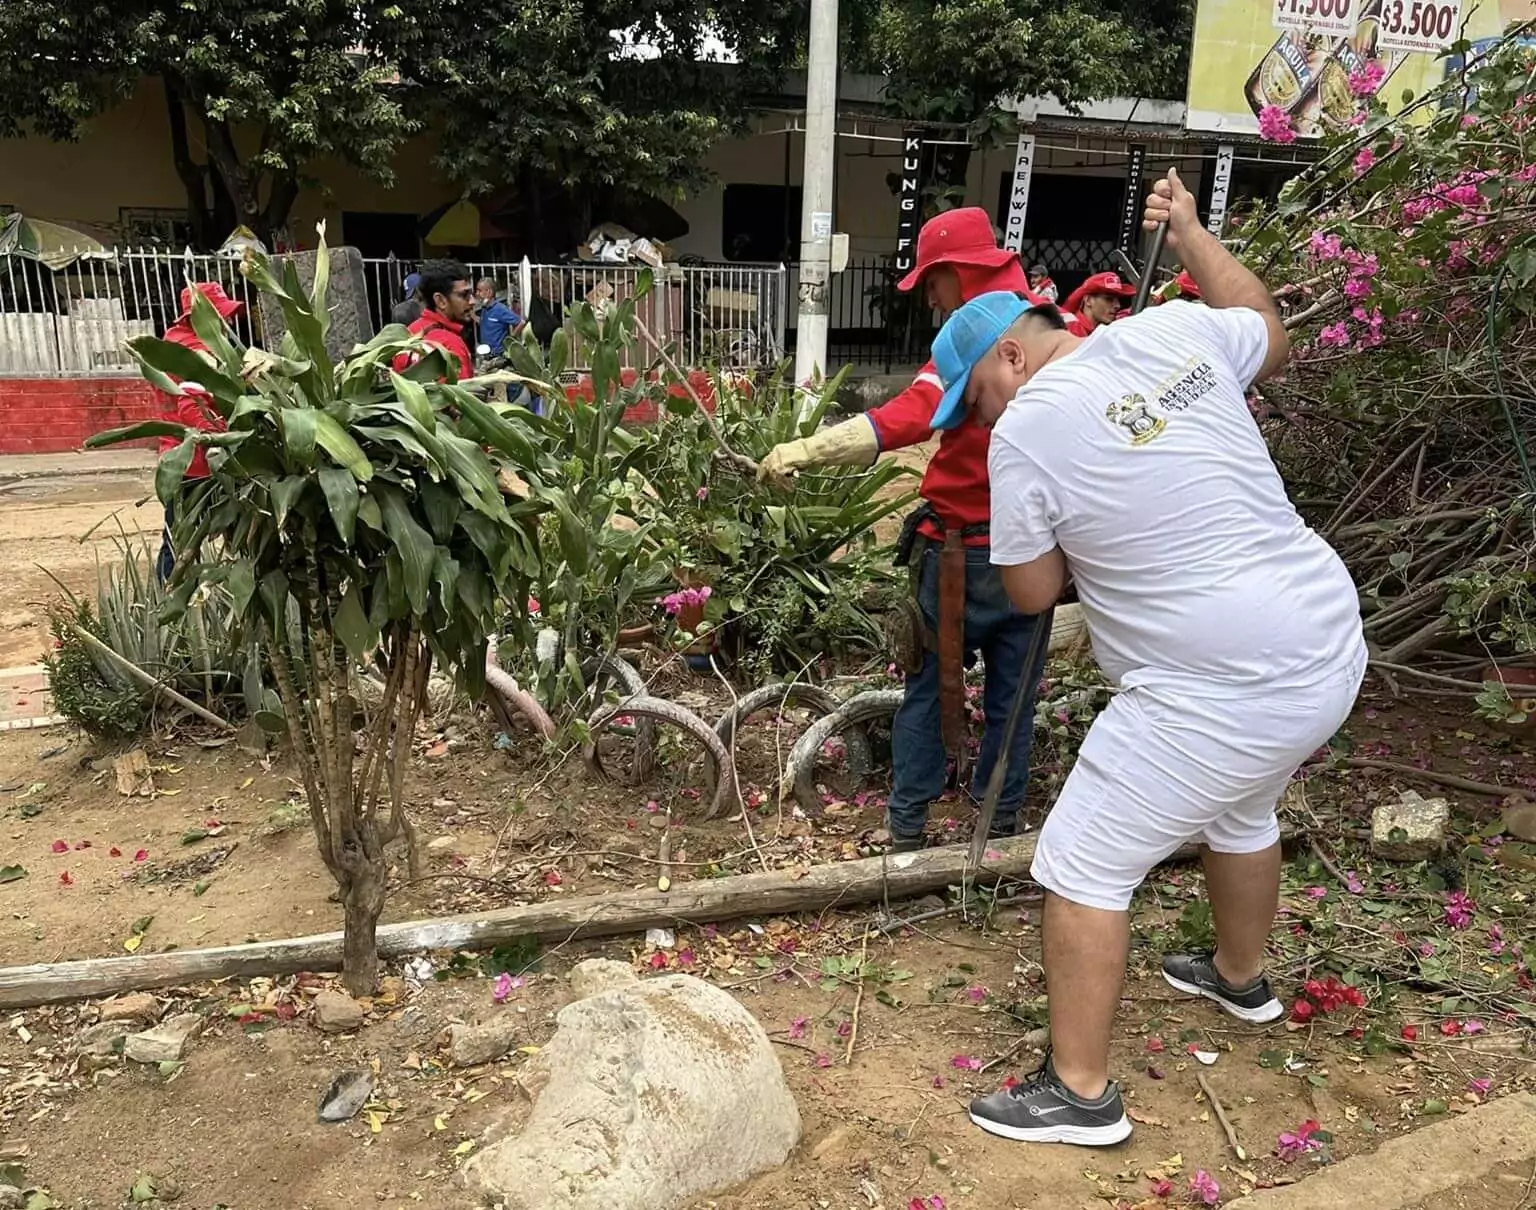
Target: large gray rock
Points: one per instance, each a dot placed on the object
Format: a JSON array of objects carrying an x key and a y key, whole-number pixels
[
  {"x": 656, "y": 1093},
  {"x": 1411, "y": 829}
]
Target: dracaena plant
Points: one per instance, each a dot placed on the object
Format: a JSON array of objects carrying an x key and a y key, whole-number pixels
[{"x": 353, "y": 515}]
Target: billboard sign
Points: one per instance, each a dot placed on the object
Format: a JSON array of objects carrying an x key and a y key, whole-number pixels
[{"x": 1298, "y": 55}]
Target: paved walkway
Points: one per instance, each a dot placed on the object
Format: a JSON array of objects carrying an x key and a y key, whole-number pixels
[{"x": 80, "y": 462}]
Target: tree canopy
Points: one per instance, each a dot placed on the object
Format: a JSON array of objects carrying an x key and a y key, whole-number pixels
[{"x": 539, "y": 103}]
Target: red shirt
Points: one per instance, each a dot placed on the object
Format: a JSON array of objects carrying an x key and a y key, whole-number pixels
[
  {"x": 956, "y": 480},
  {"x": 438, "y": 330},
  {"x": 189, "y": 409}
]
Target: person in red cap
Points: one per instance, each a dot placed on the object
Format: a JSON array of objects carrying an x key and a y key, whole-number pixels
[
  {"x": 1097, "y": 301},
  {"x": 191, "y": 407},
  {"x": 962, "y": 608}
]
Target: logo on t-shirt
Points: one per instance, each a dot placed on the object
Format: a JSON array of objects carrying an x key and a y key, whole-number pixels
[
  {"x": 1176, "y": 392},
  {"x": 1132, "y": 413}
]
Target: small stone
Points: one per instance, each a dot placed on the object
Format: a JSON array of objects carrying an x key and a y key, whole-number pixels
[
  {"x": 103, "y": 1041},
  {"x": 336, "y": 1012},
  {"x": 345, "y": 1095},
  {"x": 472, "y": 1045},
  {"x": 1411, "y": 829},
  {"x": 137, "y": 1006},
  {"x": 439, "y": 843},
  {"x": 597, "y": 975},
  {"x": 166, "y": 1043},
  {"x": 11, "y": 1198}
]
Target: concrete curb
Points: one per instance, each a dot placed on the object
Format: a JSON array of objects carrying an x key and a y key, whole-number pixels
[
  {"x": 19, "y": 468},
  {"x": 1411, "y": 1168}
]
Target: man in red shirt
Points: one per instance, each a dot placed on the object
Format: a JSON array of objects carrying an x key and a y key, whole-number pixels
[
  {"x": 1097, "y": 301},
  {"x": 957, "y": 259},
  {"x": 449, "y": 301},
  {"x": 191, "y": 407}
]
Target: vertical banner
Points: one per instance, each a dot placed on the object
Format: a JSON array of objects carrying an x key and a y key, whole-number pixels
[
  {"x": 1018, "y": 200},
  {"x": 1221, "y": 186},
  {"x": 1130, "y": 215},
  {"x": 909, "y": 200}
]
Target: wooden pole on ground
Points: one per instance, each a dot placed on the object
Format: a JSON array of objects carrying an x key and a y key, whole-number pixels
[{"x": 702, "y": 901}]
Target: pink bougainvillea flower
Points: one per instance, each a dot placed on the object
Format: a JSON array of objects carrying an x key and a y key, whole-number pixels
[
  {"x": 701, "y": 495},
  {"x": 1481, "y": 1085},
  {"x": 657, "y": 961},
  {"x": 1352, "y": 884},
  {"x": 686, "y": 959},
  {"x": 965, "y": 1063},
  {"x": 844, "y": 1028},
  {"x": 65, "y": 879},
  {"x": 533, "y": 605},
  {"x": 1426, "y": 949},
  {"x": 502, "y": 988},
  {"x": 1366, "y": 80},
  {"x": 1327, "y": 247},
  {"x": 1469, "y": 120},
  {"x": 1302, "y": 1011},
  {"x": 823, "y": 1060},
  {"x": 1450, "y": 1028},
  {"x": 1464, "y": 196},
  {"x": 60, "y": 846},
  {"x": 1459, "y": 908},
  {"x": 1292, "y": 1143},
  {"x": 114, "y": 851},
  {"x": 1473, "y": 1026},
  {"x": 1334, "y": 336},
  {"x": 1495, "y": 940},
  {"x": 1275, "y": 125},
  {"x": 797, "y": 1027},
  {"x": 1203, "y": 1186},
  {"x": 1162, "y": 1188},
  {"x": 926, "y": 1203},
  {"x": 1528, "y": 173},
  {"x": 1321, "y": 892},
  {"x": 1356, "y": 119},
  {"x": 1365, "y": 160},
  {"x": 938, "y": 1081},
  {"x": 141, "y": 855},
  {"x": 1410, "y": 1033},
  {"x": 1155, "y": 1045}
]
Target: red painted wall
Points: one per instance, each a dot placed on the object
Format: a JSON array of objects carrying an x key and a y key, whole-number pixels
[{"x": 56, "y": 415}]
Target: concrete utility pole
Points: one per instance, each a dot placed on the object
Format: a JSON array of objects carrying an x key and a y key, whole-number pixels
[{"x": 816, "y": 209}]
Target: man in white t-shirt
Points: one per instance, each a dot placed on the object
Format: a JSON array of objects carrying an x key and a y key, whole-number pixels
[{"x": 1130, "y": 461}]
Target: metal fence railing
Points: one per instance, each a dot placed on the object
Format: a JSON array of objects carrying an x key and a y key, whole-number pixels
[
  {"x": 870, "y": 322},
  {"x": 75, "y": 321}
]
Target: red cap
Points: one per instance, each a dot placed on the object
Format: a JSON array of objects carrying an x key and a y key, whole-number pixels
[
  {"x": 1099, "y": 283},
  {"x": 956, "y": 237},
  {"x": 214, "y": 293}
]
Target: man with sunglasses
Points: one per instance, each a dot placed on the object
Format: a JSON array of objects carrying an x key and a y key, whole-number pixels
[{"x": 449, "y": 301}]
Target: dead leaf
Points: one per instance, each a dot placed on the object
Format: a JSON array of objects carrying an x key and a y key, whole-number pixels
[{"x": 1145, "y": 1119}]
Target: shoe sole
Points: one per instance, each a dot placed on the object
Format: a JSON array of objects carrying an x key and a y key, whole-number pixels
[
  {"x": 1077, "y": 1136},
  {"x": 1262, "y": 1015}
]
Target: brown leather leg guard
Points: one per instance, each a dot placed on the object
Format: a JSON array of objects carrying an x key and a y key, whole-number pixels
[{"x": 952, "y": 647}]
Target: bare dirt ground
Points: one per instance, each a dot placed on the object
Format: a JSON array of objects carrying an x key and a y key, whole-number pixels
[
  {"x": 882, "y": 1066},
  {"x": 44, "y": 523}
]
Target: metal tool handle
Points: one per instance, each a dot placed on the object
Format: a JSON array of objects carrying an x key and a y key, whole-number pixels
[{"x": 1144, "y": 286}]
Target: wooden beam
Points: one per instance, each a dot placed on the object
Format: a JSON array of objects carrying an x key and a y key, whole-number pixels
[{"x": 700, "y": 901}]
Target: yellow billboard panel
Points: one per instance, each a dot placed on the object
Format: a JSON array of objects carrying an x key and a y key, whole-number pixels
[{"x": 1297, "y": 56}]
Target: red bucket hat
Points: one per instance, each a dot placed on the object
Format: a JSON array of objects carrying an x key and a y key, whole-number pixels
[
  {"x": 956, "y": 237},
  {"x": 1099, "y": 283},
  {"x": 214, "y": 293}
]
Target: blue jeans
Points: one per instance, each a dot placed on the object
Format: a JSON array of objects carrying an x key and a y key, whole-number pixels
[
  {"x": 166, "y": 563},
  {"x": 1001, "y": 634}
]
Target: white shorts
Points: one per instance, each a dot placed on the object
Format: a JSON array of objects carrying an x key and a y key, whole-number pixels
[{"x": 1160, "y": 768}]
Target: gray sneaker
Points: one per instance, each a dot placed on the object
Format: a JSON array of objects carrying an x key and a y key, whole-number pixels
[
  {"x": 1043, "y": 1110},
  {"x": 1196, "y": 974}
]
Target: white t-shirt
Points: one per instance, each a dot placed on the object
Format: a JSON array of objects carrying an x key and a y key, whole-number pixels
[{"x": 1138, "y": 456}]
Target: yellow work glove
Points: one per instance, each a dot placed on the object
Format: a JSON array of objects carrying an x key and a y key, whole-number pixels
[{"x": 850, "y": 444}]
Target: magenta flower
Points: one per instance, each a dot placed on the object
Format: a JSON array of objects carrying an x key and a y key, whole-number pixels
[
  {"x": 1464, "y": 196},
  {"x": 976, "y": 994},
  {"x": 1334, "y": 336},
  {"x": 1480, "y": 1085},
  {"x": 965, "y": 1063},
  {"x": 1367, "y": 80},
  {"x": 502, "y": 988},
  {"x": 1458, "y": 910},
  {"x": 1204, "y": 1187},
  {"x": 1321, "y": 892},
  {"x": 701, "y": 495},
  {"x": 1473, "y": 1026},
  {"x": 1364, "y": 161},
  {"x": 1275, "y": 125},
  {"x": 1298, "y": 1142},
  {"x": 1327, "y": 247},
  {"x": 797, "y": 1027}
]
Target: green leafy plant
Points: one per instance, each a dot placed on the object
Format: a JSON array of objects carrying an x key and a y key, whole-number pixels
[
  {"x": 197, "y": 652},
  {"x": 352, "y": 514}
]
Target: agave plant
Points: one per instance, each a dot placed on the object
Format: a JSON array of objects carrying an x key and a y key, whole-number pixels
[{"x": 352, "y": 514}]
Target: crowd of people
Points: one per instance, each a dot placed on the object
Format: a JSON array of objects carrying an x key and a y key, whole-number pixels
[{"x": 444, "y": 309}]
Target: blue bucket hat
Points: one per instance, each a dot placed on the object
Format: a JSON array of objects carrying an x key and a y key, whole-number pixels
[{"x": 964, "y": 340}]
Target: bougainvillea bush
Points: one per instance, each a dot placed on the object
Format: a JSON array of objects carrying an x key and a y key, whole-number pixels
[{"x": 1405, "y": 260}]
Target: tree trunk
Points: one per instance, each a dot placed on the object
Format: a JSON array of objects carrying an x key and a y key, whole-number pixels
[
  {"x": 362, "y": 902},
  {"x": 194, "y": 176}
]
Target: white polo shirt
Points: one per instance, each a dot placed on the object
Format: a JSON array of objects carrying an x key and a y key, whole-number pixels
[{"x": 1138, "y": 456}]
